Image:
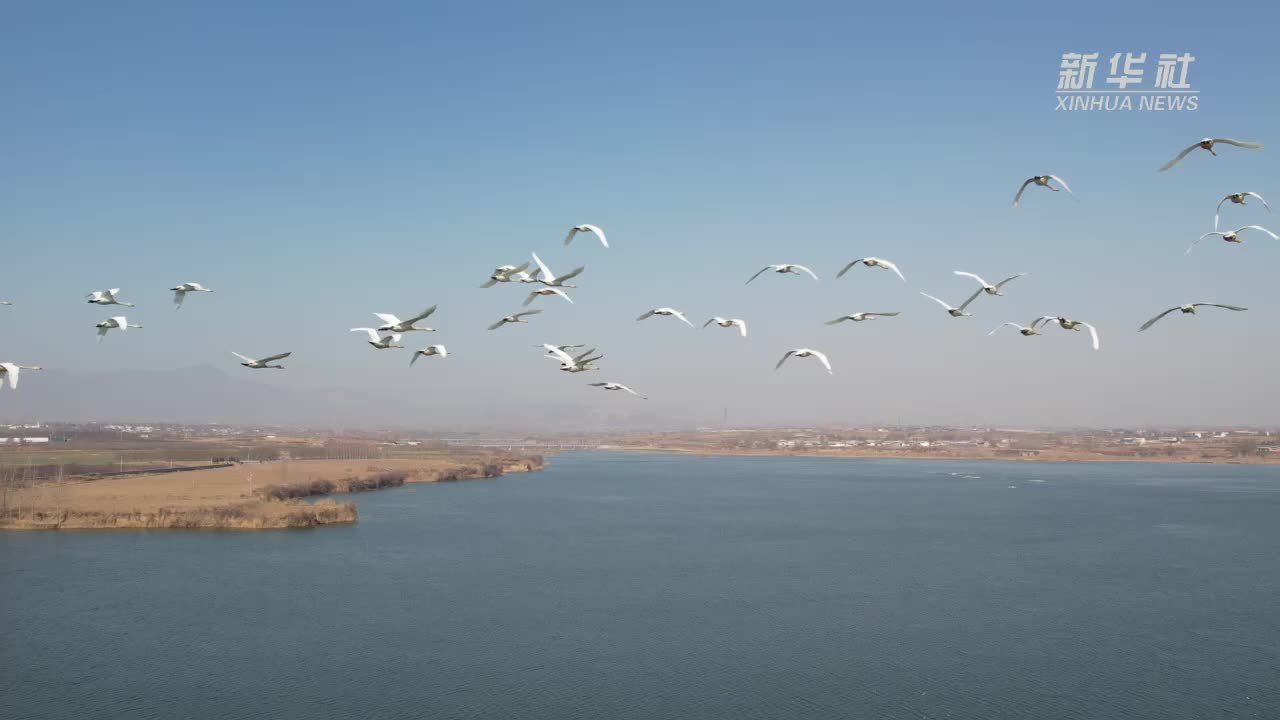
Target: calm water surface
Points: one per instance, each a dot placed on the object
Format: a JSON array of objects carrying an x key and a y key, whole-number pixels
[{"x": 624, "y": 586}]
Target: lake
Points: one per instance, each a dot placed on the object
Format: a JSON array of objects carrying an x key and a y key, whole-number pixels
[{"x": 653, "y": 586}]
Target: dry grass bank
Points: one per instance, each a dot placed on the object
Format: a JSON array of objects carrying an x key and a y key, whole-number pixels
[{"x": 248, "y": 496}]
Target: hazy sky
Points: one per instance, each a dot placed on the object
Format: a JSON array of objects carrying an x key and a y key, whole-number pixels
[{"x": 318, "y": 161}]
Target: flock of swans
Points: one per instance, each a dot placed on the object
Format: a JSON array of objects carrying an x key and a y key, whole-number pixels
[{"x": 390, "y": 334}]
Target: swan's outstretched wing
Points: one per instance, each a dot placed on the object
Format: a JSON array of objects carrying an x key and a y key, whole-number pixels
[
  {"x": 11, "y": 371},
  {"x": 273, "y": 358},
  {"x": 633, "y": 392},
  {"x": 712, "y": 320},
  {"x": 558, "y": 354},
  {"x": 1156, "y": 319},
  {"x": 1261, "y": 229},
  {"x": 1217, "y": 212},
  {"x": 490, "y": 283},
  {"x": 972, "y": 297},
  {"x": 388, "y": 318},
  {"x": 762, "y": 271},
  {"x": 1043, "y": 320},
  {"x": 1260, "y": 199},
  {"x": 649, "y": 314},
  {"x": 680, "y": 315},
  {"x": 572, "y": 273},
  {"x": 784, "y": 359},
  {"x": 178, "y": 297},
  {"x": 1008, "y": 279},
  {"x": 1018, "y": 198},
  {"x": 838, "y": 320},
  {"x": 373, "y": 334},
  {"x": 498, "y": 324},
  {"x": 894, "y": 268},
  {"x": 822, "y": 358},
  {"x": 441, "y": 350},
  {"x": 563, "y": 294},
  {"x": 1237, "y": 308},
  {"x": 1193, "y": 244},
  {"x": 742, "y": 325},
  {"x": 1178, "y": 158},
  {"x": 420, "y": 316},
  {"x": 599, "y": 233},
  {"x": 572, "y": 231},
  {"x": 892, "y": 314},
  {"x": 1061, "y": 182},
  {"x": 1008, "y": 324},
  {"x": 1093, "y": 333},
  {"x": 416, "y": 354},
  {"x": 246, "y": 359},
  {"x": 940, "y": 302},
  {"x": 848, "y": 267},
  {"x": 805, "y": 269},
  {"x": 526, "y": 313},
  {"x": 1239, "y": 143},
  {"x": 547, "y": 275},
  {"x": 981, "y": 282}
]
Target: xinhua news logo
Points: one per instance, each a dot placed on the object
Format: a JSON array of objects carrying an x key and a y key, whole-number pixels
[{"x": 1125, "y": 88}]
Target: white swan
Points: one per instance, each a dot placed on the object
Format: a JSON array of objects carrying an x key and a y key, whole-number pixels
[
  {"x": 548, "y": 278},
  {"x": 956, "y": 311},
  {"x": 1188, "y": 309},
  {"x": 11, "y": 370},
  {"x": 1207, "y": 144},
  {"x": 106, "y": 297},
  {"x": 1027, "y": 331},
  {"x": 1240, "y": 198},
  {"x": 113, "y": 323},
  {"x": 803, "y": 353},
  {"x": 783, "y": 269},
  {"x": 665, "y": 312},
  {"x": 506, "y": 274},
  {"x": 987, "y": 287},
  {"x": 391, "y": 323},
  {"x": 872, "y": 262},
  {"x": 1041, "y": 181},
  {"x": 264, "y": 363},
  {"x": 617, "y": 386},
  {"x": 543, "y": 291},
  {"x": 428, "y": 351},
  {"x": 583, "y": 229},
  {"x": 861, "y": 316},
  {"x": 384, "y": 342},
  {"x": 569, "y": 363},
  {"x": 514, "y": 319},
  {"x": 1231, "y": 236},
  {"x": 1069, "y": 324},
  {"x": 181, "y": 289},
  {"x": 729, "y": 322}
]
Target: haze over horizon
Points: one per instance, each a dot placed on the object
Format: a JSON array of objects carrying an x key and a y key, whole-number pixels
[{"x": 391, "y": 157}]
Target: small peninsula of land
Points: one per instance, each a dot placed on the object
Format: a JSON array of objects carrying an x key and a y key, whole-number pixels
[{"x": 222, "y": 490}]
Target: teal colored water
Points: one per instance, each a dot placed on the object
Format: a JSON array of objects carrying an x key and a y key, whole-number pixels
[{"x": 625, "y": 586}]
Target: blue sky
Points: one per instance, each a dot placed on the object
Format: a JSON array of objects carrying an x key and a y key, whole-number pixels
[{"x": 315, "y": 162}]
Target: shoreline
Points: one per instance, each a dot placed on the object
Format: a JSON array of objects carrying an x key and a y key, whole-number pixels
[
  {"x": 175, "y": 501},
  {"x": 1057, "y": 457}
]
